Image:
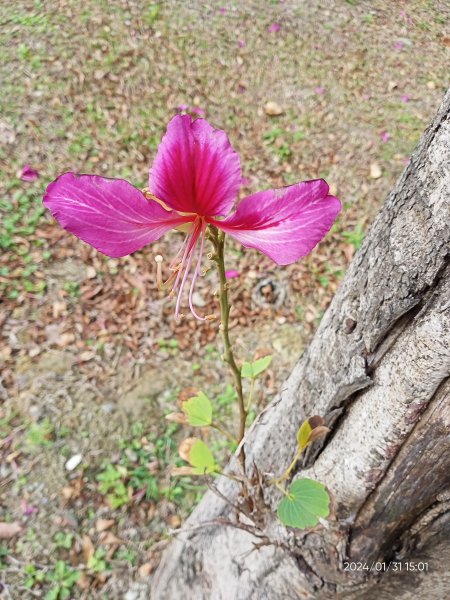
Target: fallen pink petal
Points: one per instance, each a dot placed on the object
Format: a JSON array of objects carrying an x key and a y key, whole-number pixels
[
  {"x": 183, "y": 107},
  {"x": 274, "y": 28},
  {"x": 29, "y": 174},
  {"x": 405, "y": 98},
  {"x": 384, "y": 135},
  {"x": 193, "y": 184},
  {"x": 196, "y": 110},
  {"x": 319, "y": 90},
  {"x": 231, "y": 274},
  {"x": 399, "y": 45},
  {"x": 241, "y": 43},
  {"x": 27, "y": 509}
]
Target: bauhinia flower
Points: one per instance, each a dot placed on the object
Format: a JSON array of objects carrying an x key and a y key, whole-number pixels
[{"x": 194, "y": 183}]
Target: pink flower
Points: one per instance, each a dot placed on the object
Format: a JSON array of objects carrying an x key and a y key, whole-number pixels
[
  {"x": 384, "y": 135},
  {"x": 241, "y": 43},
  {"x": 320, "y": 90},
  {"x": 194, "y": 182},
  {"x": 274, "y": 28},
  {"x": 405, "y": 98},
  {"x": 29, "y": 174},
  {"x": 222, "y": 10},
  {"x": 399, "y": 45},
  {"x": 231, "y": 274}
]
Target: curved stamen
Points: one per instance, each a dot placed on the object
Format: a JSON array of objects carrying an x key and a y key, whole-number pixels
[
  {"x": 181, "y": 265},
  {"x": 196, "y": 273},
  {"x": 189, "y": 250},
  {"x": 174, "y": 264}
]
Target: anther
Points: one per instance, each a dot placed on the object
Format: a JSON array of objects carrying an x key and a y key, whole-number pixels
[{"x": 147, "y": 193}]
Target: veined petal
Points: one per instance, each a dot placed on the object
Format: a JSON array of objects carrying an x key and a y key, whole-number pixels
[
  {"x": 109, "y": 214},
  {"x": 196, "y": 169},
  {"x": 286, "y": 223}
]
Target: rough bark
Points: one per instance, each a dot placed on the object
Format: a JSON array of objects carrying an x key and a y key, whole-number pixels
[{"x": 378, "y": 371}]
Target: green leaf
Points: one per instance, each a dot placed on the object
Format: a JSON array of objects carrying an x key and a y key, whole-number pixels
[
  {"x": 53, "y": 593},
  {"x": 201, "y": 458},
  {"x": 303, "y": 434},
  {"x": 198, "y": 410},
  {"x": 252, "y": 370},
  {"x": 307, "y": 500}
]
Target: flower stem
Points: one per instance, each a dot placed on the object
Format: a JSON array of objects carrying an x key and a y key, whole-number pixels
[{"x": 218, "y": 239}]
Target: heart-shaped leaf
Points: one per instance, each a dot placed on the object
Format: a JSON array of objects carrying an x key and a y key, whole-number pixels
[
  {"x": 252, "y": 370},
  {"x": 201, "y": 458},
  {"x": 307, "y": 500},
  {"x": 198, "y": 410}
]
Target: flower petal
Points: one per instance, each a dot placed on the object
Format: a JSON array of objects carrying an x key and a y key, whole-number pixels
[
  {"x": 109, "y": 214},
  {"x": 286, "y": 223},
  {"x": 29, "y": 174},
  {"x": 196, "y": 169}
]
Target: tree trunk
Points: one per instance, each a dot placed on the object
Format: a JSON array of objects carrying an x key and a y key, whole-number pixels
[{"x": 378, "y": 371}]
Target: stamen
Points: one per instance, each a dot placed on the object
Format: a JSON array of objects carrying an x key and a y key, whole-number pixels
[
  {"x": 174, "y": 266},
  {"x": 149, "y": 196},
  {"x": 196, "y": 273},
  {"x": 183, "y": 282},
  {"x": 181, "y": 265},
  {"x": 181, "y": 269},
  {"x": 163, "y": 285}
]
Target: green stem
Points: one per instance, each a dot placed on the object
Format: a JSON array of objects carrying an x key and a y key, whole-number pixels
[
  {"x": 286, "y": 474},
  {"x": 250, "y": 394},
  {"x": 280, "y": 488},
  {"x": 224, "y": 432},
  {"x": 218, "y": 239}
]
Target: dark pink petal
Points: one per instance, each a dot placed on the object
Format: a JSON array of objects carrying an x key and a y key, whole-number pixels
[
  {"x": 29, "y": 174},
  {"x": 196, "y": 169},
  {"x": 286, "y": 223},
  {"x": 274, "y": 28},
  {"x": 231, "y": 274},
  {"x": 109, "y": 214},
  {"x": 320, "y": 90}
]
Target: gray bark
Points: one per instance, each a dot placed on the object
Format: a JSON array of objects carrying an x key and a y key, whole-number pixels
[{"x": 378, "y": 371}]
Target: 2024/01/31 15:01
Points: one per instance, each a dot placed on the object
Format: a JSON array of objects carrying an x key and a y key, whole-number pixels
[{"x": 386, "y": 566}]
